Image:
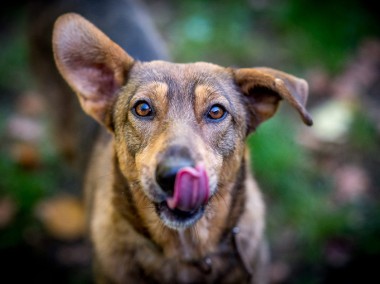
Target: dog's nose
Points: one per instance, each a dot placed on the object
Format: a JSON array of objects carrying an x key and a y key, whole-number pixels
[{"x": 167, "y": 170}]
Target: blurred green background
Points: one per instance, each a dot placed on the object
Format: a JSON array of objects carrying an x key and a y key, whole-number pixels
[{"x": 321, "y": 184}]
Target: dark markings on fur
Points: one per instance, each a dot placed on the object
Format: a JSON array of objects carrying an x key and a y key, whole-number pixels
[
  {"x": 124, "y": 202},
  {"x": 238, "y": 197},
  {"x": 227, "y": 241}
]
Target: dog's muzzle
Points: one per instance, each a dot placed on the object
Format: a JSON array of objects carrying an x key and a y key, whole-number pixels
[
  {"x": 187, "y": 191},
  {"x": 191, "y": 190},
  {"x": 186, "y": 186}
]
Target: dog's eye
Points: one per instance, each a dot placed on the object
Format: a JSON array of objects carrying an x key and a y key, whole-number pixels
[
  {"x": 216, "y": 112},
  {"x": 143, "y": 109}
]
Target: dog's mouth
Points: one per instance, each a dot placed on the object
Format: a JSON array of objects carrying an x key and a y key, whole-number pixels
[
  {"x": 187, "y": 199},
  {"x": 176, "y": 218}
]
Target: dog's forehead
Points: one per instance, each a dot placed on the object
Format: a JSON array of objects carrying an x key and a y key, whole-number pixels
[{"x": 182, "y": 76}]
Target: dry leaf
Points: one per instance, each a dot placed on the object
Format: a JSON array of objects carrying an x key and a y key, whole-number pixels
[{"x": 63, "y": 217}]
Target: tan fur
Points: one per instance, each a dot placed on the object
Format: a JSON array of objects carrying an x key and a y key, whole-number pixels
[{"x": 132, "y": 242}]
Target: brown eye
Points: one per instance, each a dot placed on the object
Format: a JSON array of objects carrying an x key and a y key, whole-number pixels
[
  {"x": 216, "y": 112},
  {"x": 143, "y": 109}
]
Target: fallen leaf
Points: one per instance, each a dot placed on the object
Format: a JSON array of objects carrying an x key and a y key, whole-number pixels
[{"x": 63, "y": 217}]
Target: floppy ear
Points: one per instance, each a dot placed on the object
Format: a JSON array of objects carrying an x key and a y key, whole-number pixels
[
  {"x": 265, "y": 87},
  {"x": 93, "y": 65}
]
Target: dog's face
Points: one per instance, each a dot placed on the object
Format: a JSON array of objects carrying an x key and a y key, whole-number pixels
[
  {"x": 171, "y": 117},
  {"x": 179, "y": 128}
]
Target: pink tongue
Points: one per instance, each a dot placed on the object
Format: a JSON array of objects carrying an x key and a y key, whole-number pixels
[{"x": 191, "y": 189}]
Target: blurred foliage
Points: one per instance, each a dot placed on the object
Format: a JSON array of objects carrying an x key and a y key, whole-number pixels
[
  {"x": 14, "y": 72},
  {"x": 201, "y": 32},
  {"x": 323, "y": 32},
  {"x": 297, "y": 193},
  {"x": 300, "y": 194},
  {"x": 363, "y": 135},
  {"x": 25, "y": 187},
  {"x": 297, "y": 33}
]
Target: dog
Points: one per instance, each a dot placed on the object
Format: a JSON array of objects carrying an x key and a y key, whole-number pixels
[{"x": 169, "y": 191}]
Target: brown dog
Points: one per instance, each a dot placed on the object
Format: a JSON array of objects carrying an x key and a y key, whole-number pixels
[{"x": 170, "y": 194}]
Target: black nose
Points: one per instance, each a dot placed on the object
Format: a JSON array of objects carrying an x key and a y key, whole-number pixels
[{"x": 167, "y": 170}]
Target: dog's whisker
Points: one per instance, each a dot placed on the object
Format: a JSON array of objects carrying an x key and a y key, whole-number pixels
[
  {"x": 220, "y": 197},
  {"x": 195, "y": 234}
]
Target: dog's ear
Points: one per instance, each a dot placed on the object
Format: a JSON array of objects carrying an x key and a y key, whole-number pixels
[
  {"x": 93, "y": 65},
  {"x": 263, "y": 88}
]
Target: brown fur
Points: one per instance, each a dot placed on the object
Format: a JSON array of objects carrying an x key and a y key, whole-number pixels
[{"x": 132, "y": 243}]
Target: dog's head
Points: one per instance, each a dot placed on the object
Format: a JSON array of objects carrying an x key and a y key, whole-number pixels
[{"x": 179, "y": 128}]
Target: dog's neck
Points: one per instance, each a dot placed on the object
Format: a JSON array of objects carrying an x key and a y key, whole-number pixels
[{"x": 212, "y": 235}]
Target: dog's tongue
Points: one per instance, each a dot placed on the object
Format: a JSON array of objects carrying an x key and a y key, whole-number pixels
[{"x": 191, "y": 189}]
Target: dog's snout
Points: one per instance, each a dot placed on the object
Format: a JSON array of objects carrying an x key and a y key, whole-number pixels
[
  {"x": 167, "y": 170},
  {"x": 166, "y": 178}
]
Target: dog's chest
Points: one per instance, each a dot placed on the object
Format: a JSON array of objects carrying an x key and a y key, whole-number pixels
[{"x": 223, "y": 266}]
